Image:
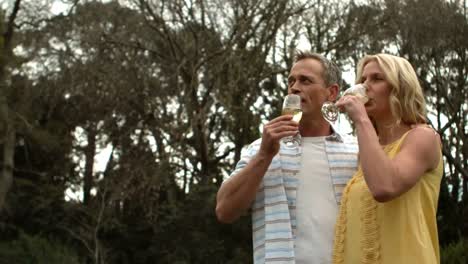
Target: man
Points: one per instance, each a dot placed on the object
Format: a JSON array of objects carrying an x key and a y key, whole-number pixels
[{"x": 294, "y": 193}]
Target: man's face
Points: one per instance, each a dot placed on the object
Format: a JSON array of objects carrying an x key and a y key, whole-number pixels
[{"x": 305, "y": 80}]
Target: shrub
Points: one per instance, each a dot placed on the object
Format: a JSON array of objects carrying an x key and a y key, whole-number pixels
[
  {"x": 455, "y": 253},
  {"x": 36, "y": 249}
]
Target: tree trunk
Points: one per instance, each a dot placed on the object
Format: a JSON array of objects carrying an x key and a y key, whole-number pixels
[
  {"x": 6, "y": 177},
  {"x": 90, "y": 152},
  {"x": 9, "y": 129}
]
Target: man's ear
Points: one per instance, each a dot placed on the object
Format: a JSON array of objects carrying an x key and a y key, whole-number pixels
[{"x": 334, "y": 91}]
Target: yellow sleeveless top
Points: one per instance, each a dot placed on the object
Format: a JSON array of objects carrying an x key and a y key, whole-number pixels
[{"x": 402, "y": 231}]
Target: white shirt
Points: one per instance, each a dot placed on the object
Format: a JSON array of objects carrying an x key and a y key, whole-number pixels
[{"x": 316, "y": 205}]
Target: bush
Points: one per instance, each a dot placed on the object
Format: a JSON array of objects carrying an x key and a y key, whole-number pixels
[
  {"x": 35, "y": 249},
  {"x": 455, "y": 253}
]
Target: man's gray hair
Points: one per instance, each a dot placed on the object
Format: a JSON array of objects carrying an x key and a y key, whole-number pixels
[{"x": 331, "y": 71}]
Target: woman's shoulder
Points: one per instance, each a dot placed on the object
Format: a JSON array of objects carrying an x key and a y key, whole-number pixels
[
  {"x": 422, "y": 140},
  {"x": 423, "y": 133}
]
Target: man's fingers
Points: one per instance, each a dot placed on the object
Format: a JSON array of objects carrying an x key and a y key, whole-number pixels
[
  {"x": 283, "y": 128},
  {"x": 278, "y": 132},
  {"x": 286, "y": 134},
  {"x": 284, "y": 117},
  {"x": 281, "y": 123},
  {"x": 281, "y": 118},
  {"x": 277, "y": 135}
]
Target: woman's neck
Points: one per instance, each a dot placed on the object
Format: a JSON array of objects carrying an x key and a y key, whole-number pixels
[{"x": 390, "y": 131}]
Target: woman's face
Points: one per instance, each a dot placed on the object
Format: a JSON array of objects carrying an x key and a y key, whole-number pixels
[{"x": 378, "y": 92}]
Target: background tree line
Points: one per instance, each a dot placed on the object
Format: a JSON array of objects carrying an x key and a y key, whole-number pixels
[{"x": 120, "y": 119}]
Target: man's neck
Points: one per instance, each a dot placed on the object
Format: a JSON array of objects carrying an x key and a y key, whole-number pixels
[{"x": 315, "y": 128}]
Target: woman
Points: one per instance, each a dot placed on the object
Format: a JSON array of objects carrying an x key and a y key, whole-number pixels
[{"x": 388, "y": 209}]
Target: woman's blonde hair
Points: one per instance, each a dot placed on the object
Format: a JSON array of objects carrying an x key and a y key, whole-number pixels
[{"x": 406, "y": 97}]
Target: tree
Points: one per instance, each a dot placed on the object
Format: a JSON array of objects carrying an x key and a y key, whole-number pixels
[
  {"x": 7, "y": 115},
  {"x": 435, "y": 42},
  {"x": 174, "y": 90}
]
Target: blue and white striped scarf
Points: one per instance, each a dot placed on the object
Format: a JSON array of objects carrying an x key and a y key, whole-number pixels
[{"x": 274, "y": 209}]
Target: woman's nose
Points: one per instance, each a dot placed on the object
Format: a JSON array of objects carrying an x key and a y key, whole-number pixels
[{"x": 366, "y": 84}]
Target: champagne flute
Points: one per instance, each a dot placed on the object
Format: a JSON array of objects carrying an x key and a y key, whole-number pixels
[
  {"x": 292, "y": 106},
  {"x": 330, "y": 111}
]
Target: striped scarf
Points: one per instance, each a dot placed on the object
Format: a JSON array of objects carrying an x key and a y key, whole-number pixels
[{"x": 274, "y": 209}]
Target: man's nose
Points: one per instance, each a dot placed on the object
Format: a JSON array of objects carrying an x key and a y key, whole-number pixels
[{"x": 295, "y": 89}]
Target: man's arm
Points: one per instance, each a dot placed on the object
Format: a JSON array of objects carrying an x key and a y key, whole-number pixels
[{"x": 238, "y": 192}]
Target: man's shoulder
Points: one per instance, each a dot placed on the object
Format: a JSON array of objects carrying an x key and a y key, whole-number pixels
[
  {"x": 342, "y": 143},
  {"x": 255, "y": 144},
  {"x": 349, "y": 139},
  {"x": 342, "y": 138},
  {"x": 252, "y": 148}
]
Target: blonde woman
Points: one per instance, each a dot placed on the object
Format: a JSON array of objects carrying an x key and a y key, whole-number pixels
[{"x": 388, "y": 210}]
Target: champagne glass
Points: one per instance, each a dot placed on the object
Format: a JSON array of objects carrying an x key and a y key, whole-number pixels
[
  {"x": 330, "y": 111},
  {"x": 292, "y": 106}
]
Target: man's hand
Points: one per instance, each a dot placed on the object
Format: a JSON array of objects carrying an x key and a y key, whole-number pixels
[{"x": 274, "y": 131}]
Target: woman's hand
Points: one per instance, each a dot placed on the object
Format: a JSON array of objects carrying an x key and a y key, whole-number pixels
[{"x": 353, "y": 106}]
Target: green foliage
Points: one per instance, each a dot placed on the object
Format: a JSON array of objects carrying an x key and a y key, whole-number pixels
[
  {"x": 186, "y": 232},
  {"x": 455, "y": 253},
  {"x": 450, "y": 216},
  {"x": 195, "y": 221},
  {"x": 28, "y": 249}
]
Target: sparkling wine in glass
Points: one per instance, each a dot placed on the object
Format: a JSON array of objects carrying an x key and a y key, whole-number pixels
[
  {"x": 292, "y": 106},
  {"x": 329, "y": 110}
]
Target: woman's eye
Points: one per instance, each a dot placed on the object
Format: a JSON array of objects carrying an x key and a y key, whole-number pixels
[{"x": 378, "y": 77}]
